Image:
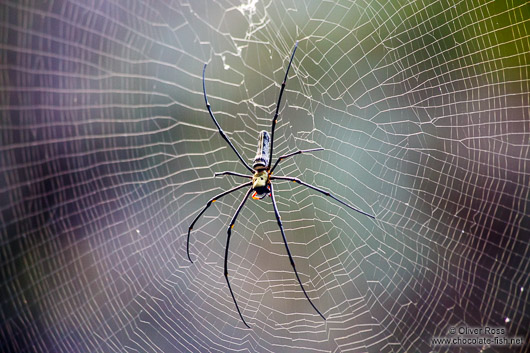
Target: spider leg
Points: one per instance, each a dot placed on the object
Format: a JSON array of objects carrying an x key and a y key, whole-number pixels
[
  {"x": 278, "y": 218},
  {"x": 232, "y": 173},
  {"x": 296, "y": 180},
  {"x": 226, "y": 252},
  {"x": 274, "y": 120},
  {"x": 293, "y": 154},
  {"x": 213, "y": 199},
  {"x": 223, "y": 135}
]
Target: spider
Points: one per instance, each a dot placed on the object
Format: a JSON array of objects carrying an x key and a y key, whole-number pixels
[{"x": 261, "y": 183}]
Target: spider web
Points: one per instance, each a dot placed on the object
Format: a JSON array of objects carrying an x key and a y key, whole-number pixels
[{"x": 107, "y": 154}]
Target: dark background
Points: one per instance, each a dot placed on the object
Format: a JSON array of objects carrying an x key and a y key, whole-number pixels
[{"x": 107, "y": 154}]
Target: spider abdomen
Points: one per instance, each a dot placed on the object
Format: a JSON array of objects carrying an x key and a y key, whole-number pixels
[{"x": 261, "y": 161}]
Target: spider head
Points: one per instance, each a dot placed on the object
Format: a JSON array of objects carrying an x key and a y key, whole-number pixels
[{"x": 260, "y": 184}]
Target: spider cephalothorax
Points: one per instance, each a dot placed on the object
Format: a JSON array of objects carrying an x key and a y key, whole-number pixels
[{"x": 261, "y": 183}]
